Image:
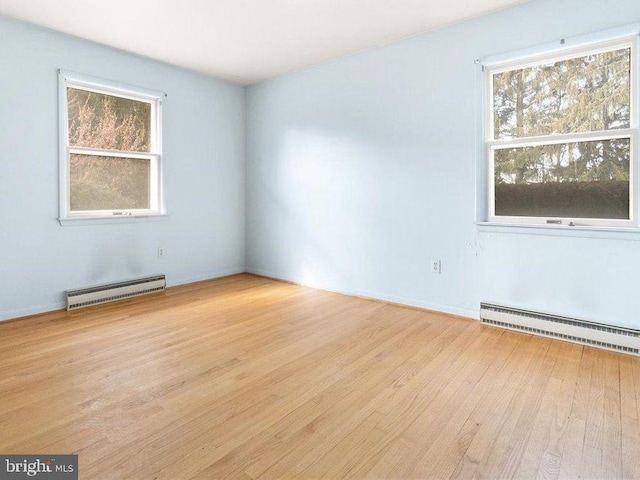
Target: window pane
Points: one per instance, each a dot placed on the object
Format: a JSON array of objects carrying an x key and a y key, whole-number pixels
[
  {"x": 587, "y": 93},
  {"x": 572, "y": 180},
  {"x": 109, "y": 183},
  {"x": 97, "y": 120}
]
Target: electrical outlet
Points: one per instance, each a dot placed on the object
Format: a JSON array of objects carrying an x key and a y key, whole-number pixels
[
  {"x": 160, "y": 252},
  {"x": 436, "y": 267}
]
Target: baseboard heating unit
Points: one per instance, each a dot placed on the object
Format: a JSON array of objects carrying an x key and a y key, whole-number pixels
[
  {"x": 599, "y": 335},
  {"x": 110, "y": 292}
]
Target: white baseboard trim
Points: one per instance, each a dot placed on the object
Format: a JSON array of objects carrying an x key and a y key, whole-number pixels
[
  {"x": 25, "y": 312},
  {"x": 436, "y": 307},
  {"x": 207, "y": 276},
  {"x": 409, "y": 302}
]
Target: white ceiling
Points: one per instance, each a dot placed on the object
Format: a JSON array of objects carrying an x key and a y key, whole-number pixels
[{"x": 246, "y": 41}]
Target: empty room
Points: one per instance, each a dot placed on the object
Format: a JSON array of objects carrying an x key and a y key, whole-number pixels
[{"x": 277, "y": 239}]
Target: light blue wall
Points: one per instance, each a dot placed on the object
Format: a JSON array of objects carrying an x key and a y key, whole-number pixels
[
  {"x": 204, "y": 165},
  {"x": 361, "y": 171}
]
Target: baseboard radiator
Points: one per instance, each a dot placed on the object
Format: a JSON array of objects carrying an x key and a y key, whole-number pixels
[
  {"x": 599, "y": 335},
  {"x": 110, "y": 292}
]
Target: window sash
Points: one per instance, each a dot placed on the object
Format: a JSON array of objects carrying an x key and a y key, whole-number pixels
[
  {"x": 565, "y": 54},
  {"x": 631, "y": 134},
  {"x": 154, "y": 183},
  {"x": 154, "y": 144}
]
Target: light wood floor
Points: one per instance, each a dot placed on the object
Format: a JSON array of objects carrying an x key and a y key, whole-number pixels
[{"x": 246, "y": 377}]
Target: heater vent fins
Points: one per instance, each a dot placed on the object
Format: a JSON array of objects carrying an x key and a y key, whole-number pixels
[
  {"x": 111, "y": 292},
  {"x": 599, "y": 335}
]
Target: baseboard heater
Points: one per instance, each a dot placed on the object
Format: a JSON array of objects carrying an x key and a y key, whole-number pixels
[
  {"x": 599, "y": 335},
  {"x": 110, "y": 292}
]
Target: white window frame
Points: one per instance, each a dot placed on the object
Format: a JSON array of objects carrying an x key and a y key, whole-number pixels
[
  {"x": 154, "y": 156},
  {"x": 492, "y": 144}
]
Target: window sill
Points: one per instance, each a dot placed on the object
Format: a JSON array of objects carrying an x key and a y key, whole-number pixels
[
  {"x": 80, "y": 221},
  {"x": 608, "y": 233}
]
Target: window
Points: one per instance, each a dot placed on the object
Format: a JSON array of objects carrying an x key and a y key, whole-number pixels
[
  {"x": 561, "y": 137},
  {"x": 111, "y": 157}
]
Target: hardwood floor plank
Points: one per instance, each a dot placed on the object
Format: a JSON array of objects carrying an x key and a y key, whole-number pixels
[
  {"x": 593, "y": 437},
  {"x": 511, "y": 440},
  {"x": 612, "y": 429},
  {"x": 629, "y": 420},
  {"x": 531, "y": 462},
  {"x": 573, "y": 445},
  {"x": 490, "y": 414},
  {"x": 559, "y": 413}
]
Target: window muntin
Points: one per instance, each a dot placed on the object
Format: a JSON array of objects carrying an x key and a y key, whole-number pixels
[
  {"x": 561, "y": 138},
  {"x": 112, "y": 150}
]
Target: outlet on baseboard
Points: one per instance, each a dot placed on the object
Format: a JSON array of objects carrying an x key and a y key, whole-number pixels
[{"x": 436, "y": 267}]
